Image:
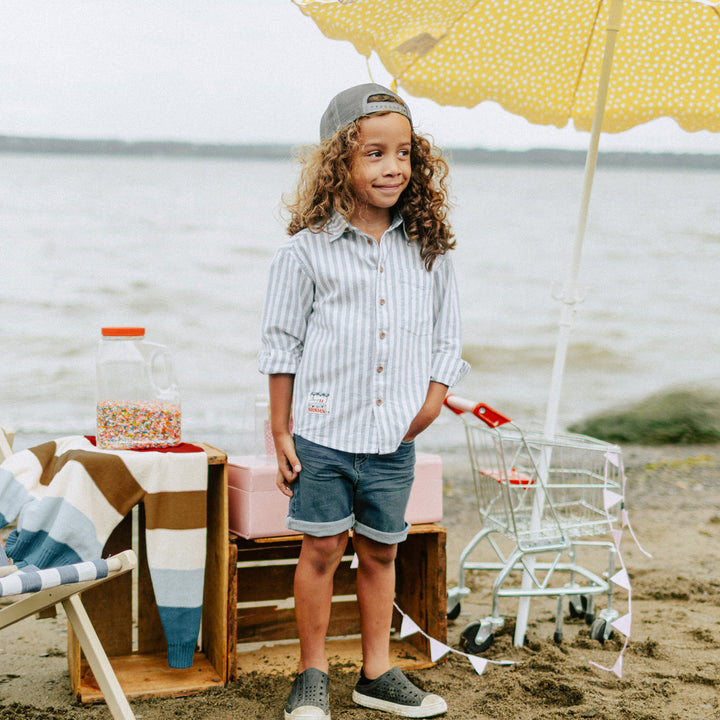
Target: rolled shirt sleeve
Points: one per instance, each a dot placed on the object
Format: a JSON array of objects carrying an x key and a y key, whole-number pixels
[
  {"x": 448, "y": 367},
  {"x": 288, "y": 303}
]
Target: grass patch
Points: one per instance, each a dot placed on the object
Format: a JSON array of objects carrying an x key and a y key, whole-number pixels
[{"x": 677, "y": 417}]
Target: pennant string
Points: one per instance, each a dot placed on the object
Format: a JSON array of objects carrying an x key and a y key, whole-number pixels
[
  {"x": 626, "y": 523},
  {"x": 622, "y": 624},
  {"x": 439, "y": 649}
]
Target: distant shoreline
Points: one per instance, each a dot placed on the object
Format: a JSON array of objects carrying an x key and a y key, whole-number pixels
[{"x": 479, "y": 156}]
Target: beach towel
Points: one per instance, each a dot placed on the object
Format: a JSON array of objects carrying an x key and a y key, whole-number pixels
[{"x": 67, "y": 496}]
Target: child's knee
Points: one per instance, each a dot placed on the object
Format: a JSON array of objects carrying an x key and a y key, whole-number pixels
[
  {"x": 373, "y": 552},
  {"x": 324, "y": 553}
]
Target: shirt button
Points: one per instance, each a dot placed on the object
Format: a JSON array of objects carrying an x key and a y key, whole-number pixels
[
  {"x": 382, "y": 335},
  {"x": 369, "y": 241},
  {"x": 380, "y": 368},
  {"x": 382, "y": 301},
  {"x": 378, "y": 401},
  {"x": 382, "y": 269}
]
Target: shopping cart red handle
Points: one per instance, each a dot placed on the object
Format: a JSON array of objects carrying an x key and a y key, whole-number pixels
[{"x": 488, "y": 415}]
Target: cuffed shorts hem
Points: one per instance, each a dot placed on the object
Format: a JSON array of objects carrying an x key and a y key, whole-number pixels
[
  {"x": 320, "y": 529},
  {"x": 382, "y": 537}
]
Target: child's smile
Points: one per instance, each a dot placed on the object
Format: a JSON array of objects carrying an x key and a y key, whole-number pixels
[{"x": 381, "y": 169}]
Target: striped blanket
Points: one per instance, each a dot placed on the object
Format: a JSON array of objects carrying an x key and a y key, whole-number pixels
[
  {"x": 31, "y": 579},
  {"x": 67, "y": 497}
]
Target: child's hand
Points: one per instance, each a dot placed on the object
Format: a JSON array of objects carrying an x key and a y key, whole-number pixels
[
  {"x": 288, "y": 464},
  {"x": 428, "y": 412}
]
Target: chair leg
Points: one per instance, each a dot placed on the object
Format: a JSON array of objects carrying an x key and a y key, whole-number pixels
[{"x": 99, "y": 663}]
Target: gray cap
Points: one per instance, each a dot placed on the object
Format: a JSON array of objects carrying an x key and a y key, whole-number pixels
[{"x": 349, "y": 105}]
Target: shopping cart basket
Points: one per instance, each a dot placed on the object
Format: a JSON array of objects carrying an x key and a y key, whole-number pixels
[{"x": 546, "y": 497}]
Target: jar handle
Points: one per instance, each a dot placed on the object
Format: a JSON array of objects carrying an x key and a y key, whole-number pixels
[{"x": 162, "y": 375}]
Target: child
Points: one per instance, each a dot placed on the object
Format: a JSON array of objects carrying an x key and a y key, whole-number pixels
[{"x": 361, "y": 339}]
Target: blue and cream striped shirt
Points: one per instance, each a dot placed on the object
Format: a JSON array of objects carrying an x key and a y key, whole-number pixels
[{"x": 364, "y": 327}]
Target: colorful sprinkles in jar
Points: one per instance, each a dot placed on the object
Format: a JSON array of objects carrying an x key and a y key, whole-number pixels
[{"x": 141, "y": 424}]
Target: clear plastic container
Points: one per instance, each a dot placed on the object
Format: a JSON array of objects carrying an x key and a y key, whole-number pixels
[
  {"x": 138, "y": 398},
  {"x": 263, "y": 435}
]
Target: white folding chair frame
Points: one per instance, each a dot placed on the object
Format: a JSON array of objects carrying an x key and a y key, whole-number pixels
[
  {"x": 6, "y": 440},
  {"x": 69, "y": 596}
]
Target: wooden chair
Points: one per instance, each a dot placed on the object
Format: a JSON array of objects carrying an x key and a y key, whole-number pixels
[{"x": 41, "y": 589}]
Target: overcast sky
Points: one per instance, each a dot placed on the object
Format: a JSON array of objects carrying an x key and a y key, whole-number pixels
[{"x": 254, "y": 71}]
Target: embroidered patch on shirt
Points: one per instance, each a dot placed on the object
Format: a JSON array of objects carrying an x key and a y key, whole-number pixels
[{"x": 319, "y": 403}]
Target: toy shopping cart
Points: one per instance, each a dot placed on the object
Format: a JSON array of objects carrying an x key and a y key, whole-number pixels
[{"x": 540, "y": 501}]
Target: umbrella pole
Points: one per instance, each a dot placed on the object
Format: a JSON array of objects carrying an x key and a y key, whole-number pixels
[{"x": 570, "y": 296}]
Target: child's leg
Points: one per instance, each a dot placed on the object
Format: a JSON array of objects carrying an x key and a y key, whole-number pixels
[
  {"x": 319, "y": 558},
  {"x": 382, "y": 687},
  {"x": 376, "y": 592}
]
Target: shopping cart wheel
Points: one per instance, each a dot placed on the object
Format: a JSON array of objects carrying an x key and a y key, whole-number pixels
[
  {"x": 454, "y": 612},
  {"x": 577, "y": 606},
  {"x": 476, "y": 639},
  {"x": 557, "y": 637},
  {"x": 599, "y": 630}
]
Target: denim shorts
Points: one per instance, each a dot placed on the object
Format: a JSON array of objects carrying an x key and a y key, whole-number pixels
[{"x": 338, "y": 491}]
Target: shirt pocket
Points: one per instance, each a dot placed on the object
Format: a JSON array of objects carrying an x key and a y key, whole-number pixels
[{"x": 415, "y": 304}]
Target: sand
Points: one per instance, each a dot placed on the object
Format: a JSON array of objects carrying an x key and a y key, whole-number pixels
[{"x": 670, "y": 668}]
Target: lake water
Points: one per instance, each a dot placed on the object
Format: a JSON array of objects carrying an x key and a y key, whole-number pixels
[{"x": 182, "y": 246}]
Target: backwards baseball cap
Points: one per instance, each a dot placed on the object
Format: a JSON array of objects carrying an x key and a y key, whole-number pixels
[{"x": 356, "y": 102}]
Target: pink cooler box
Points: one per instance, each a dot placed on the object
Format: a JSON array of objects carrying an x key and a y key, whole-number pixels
[{"x": 258, "y": 509}]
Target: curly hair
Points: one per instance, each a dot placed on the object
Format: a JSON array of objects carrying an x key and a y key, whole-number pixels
[{"x": 325, "y": 187}]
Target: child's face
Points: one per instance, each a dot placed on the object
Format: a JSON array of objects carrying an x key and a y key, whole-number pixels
[{"x": 381, "y": 167}]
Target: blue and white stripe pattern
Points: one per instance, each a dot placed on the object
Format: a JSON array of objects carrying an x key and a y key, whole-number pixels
[
  {"x": 29, "y": 579},
  {"x": 364, "y": 327},
  {"x": 67, "y": 496}
]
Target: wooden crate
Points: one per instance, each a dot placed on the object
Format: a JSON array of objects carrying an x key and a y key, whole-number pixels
[
  {"x": 143, "y": 671},
  {"x": 265, "y": 617}
]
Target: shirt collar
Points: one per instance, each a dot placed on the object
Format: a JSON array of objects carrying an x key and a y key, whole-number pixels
[{"x": 338, "y": 224}]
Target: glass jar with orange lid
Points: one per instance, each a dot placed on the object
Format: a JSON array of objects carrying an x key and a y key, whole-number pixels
[{"x": 138, "y": 398}]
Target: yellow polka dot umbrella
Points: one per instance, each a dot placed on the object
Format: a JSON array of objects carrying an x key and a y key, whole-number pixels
[
  {"x": 542, "y": 59},
  {"x": 604, "y": 65}
]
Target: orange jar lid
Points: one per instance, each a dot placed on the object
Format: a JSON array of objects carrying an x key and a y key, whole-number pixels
[{"x": 123, "y": 331}]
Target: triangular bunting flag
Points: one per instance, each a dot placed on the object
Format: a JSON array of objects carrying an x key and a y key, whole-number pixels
[
  {"x": 354, "y": 562},
  {"x": 623, "y": 624},
  {"x": 611, "y": 498},
  {"x": 437, "y": 650},
  {"x": 621, "y": 578},
  {"x": 478, "y": 663},
  {"x": 617, "y": 667},
  {"x": 617, "y": 537},
  {"x": 613, "y": 458},
  {"x": 408, "y": 627}
]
